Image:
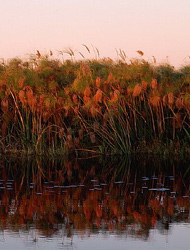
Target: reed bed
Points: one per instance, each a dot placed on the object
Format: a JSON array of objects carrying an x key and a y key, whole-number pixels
[{"x": 94, "y": 106}]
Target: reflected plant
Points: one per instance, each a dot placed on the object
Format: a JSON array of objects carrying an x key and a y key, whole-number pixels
[{"x": 85, "y": 196}]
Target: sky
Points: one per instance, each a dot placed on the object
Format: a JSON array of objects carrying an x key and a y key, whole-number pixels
[{"x": 159, "y": 28}]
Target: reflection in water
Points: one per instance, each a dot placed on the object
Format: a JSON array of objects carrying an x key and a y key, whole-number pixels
[{"x": 60, "y": 199}]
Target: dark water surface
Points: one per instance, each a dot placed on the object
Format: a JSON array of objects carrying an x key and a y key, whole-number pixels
[{"x": 94, "y": 204}]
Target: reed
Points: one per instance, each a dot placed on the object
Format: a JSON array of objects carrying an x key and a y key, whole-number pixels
[{"x": 102, "y": 106}]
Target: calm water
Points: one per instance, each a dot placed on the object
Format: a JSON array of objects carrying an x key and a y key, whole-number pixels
[{"x": 94, "y": 204}]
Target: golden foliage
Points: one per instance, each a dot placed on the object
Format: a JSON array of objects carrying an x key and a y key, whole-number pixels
[
  {"x": 140, "y": 52},
  {"x": 34, "y": 103},
  {"x": 155, "y": 101},
  {"x": 128, "y": 92},
  {"x": 164, "y": 101},
  {"x": 21, "y": 82},
  {"x": 98, "y": 82},
  {"x": 29, "y": 94},
  {"x": 144, "y": 85},
  {"x": 115, "y": 96},
  {"x": 21, "y": 96},
  {"x": 86, "y": 99},
  {"x": 137, "y": 90},
  {"x": 41, "y": 98},
  {"x": 2, "y": 83},
  {"x": 154, "y": 84},
  {"x": 47, "y": 103},
  {"x": 110, "y": 78},
  {"x": 98, "y": 96},
  {"x": 94, "y": 110},
  {"x": 87, "y": 91}
]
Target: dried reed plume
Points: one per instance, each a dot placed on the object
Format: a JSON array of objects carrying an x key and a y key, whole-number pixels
[
  {"x": 155, "y": 101},
  {"x": 137, "y": 90}
]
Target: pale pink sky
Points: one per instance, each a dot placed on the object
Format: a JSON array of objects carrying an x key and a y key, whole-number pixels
[{"x": 157, "y": 27}]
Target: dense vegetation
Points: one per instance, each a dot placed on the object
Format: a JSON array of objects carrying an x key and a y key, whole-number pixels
[{"x": 101, "y": 106}]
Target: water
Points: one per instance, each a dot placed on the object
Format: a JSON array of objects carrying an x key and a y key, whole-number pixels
[
  {"x": 177, "y": 239},
  {"x": 94, "y": 204}
]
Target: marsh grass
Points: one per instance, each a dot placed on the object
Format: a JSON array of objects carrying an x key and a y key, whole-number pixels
[{"x": 99, "y": 106}]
